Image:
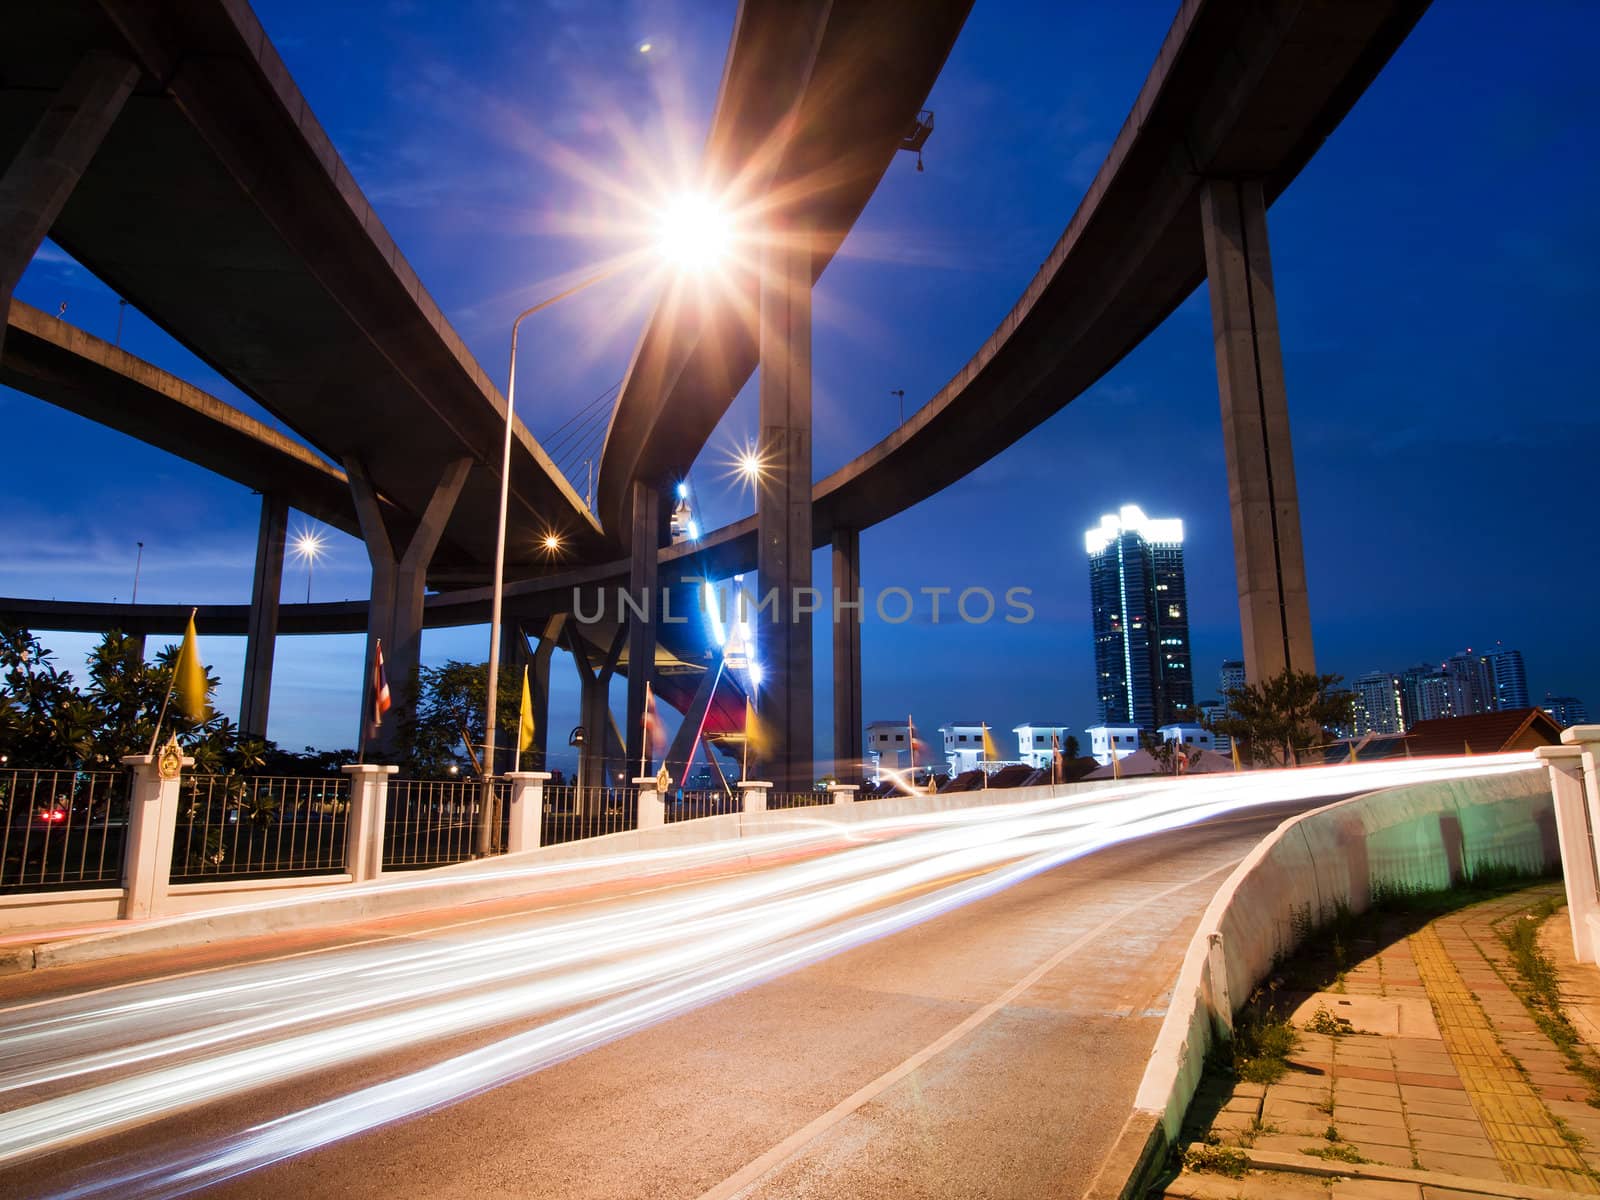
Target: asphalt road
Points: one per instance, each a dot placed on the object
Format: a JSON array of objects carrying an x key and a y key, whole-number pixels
[{"x": 992, "y": 1050}]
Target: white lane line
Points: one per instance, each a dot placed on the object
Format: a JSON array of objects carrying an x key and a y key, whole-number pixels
[{"x": 741, "y": 1181}]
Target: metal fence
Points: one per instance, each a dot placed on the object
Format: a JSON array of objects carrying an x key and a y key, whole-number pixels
[
  {"x": 686, "y": 806},
  {"x": 797, "y": 799},
  {"x": 434, "y": 822},
  {"x": 572, "y": 812},
  {"x": 241, "y": 827},
  {"x": 63, "y": 829}
]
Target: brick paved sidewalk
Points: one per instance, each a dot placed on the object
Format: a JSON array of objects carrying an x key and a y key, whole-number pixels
[{"x": 1446, "y": 1089}]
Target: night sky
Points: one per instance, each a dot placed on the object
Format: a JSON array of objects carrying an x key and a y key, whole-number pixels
[{"x": 1435, "y": 284}]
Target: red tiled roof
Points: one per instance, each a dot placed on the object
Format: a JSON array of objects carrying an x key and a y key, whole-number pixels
[{"x": 1484, "y": 733}]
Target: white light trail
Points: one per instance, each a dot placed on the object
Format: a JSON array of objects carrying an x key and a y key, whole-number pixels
[{"x": 103, "y": 1063}]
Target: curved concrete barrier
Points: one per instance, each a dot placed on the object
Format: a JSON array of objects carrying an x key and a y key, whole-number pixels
[{"x": 1425, "y": 835}]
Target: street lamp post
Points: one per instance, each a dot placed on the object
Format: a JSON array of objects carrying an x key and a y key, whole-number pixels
[
  {"x": 693, "y": 231},
  {"x": 486, "y": 814}
]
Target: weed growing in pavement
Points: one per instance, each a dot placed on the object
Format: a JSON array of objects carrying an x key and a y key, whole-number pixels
[
  {"x": 1220, "y": 1160},
  {"x": 1262, "y": 1042},
  {"x": 1539, "y": 989},
  {"x": 1336, "y": 1153},
  {"x": 1324, "y": 1022}
]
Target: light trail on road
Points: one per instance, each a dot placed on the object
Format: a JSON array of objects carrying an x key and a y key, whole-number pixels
[{"x": 154, "y": 1049}]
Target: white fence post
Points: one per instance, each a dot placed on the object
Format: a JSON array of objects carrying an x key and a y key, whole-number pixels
[
  {"x": 1572, "y": 805},
  {"x": 754, "y": 793},
  {"x": 844, "y": 793},
  {"x": 369, "y": 803},
  {"x": 652, "y": 806},
  {"x": 527, "y": 809},
  {"x": 152, "y": 826}
]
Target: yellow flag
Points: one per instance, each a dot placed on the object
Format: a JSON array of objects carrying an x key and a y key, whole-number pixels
[
  {"x": 1353, "y": 752},
  {"x": 1116, "y": 761},
  {"x": 190, "y": 676},
  {"x": 1235, "y": 756},
  {"x": 991, "y": 752},
  {"x": 1466, "y": 748},
  {"x": 525, "y": 732}
]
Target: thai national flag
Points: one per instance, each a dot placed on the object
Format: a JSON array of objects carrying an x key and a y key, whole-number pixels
[{"x": 381, "y": 700}]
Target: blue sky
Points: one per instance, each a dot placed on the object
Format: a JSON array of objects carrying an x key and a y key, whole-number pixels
[{"x": 1436, "y": 294}]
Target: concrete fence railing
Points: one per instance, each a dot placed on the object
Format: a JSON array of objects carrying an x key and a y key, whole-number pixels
[{"x": 1423, "y": 836}]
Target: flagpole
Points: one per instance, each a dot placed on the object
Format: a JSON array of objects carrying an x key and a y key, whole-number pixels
[
  {"x": 155, "y": 734},
  {"x": 744, "y": 762},
  {"x": 644, "y": 731},
  {"x": 516, "y": 759}
]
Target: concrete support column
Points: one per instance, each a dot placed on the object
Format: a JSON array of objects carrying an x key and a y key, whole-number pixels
[
  {"x": 527, "y": 809},
  {"x": 753, "y": 794},
  {"x": 261, "y": 633},
  {"x": 783, "y": 502},
  {"x": 1565, "y": 764},
  {"x": 1274, "y": 612},
  {"x": 39, "y": 180},
  {"x": 399, "y": 583},
  {"x": 644, "y": 543},
  {"x": 1586, "y": 739},
  {"x": 652, "y": 804},
  {"x": 847, "y": 726},
  {"x": 152, "y": 824},
  {"x": 843, "y": 793},
  {"x": 369, "y": 805}
]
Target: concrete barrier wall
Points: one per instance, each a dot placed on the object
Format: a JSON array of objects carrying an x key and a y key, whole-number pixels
[{"x": 1424, "y": 835}]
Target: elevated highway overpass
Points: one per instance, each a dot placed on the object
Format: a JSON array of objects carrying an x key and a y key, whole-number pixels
[{"x": 1238, "y": 101}]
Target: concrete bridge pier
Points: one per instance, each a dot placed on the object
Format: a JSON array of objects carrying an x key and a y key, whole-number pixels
[
  {"x": 603, "y": 753},
  {"x": 783, "y": 506},
  {"x": 39, "y": 180},
  {"x": 847, "y": 656},
  {"x": 261, "y": 633},
  {"x": 644, "y": 544},
  {"x": 394, "y": 612},
  {"x": 1274, "y": 611}
]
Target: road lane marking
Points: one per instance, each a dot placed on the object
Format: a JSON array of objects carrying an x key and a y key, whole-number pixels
[{"x": 741, "y": 1181}]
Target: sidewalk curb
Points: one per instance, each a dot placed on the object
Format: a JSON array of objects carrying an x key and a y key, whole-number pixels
[
  {"x": 1304, "y": 1164},
  {"x": 1135, "y": 1159}
]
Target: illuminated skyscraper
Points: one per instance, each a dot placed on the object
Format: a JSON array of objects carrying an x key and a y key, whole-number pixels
[{"x": 1141, "y": 619}]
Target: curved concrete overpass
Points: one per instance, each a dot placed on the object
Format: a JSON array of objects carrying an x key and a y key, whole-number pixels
[{"x": 815, "y": 101}]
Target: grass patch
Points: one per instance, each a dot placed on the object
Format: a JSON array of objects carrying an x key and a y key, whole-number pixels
[
  {"x": 1262, "y": 1043},
  {"x": 1218, "y": 1160}
]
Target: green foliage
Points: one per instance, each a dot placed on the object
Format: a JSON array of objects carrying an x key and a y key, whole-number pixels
[
  {"x": 1218, "y": 1160},
  {"x": 47, "y": 721},
  {"x": 449, "y": 726},
  {"x": 1279, "y": 719},
  {"x": 1262, "y": 1042}
]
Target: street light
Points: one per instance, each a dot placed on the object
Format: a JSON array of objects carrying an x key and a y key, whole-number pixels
[
  {"x": 692, "y": 232},
  {"x": 308, "y": 546}
]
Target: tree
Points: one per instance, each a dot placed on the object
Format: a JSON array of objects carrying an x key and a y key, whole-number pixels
[
  {"x": 1278, "y": 719},
  {"x": 46, "y": 722},
  {"x": 449, "y": 720}
]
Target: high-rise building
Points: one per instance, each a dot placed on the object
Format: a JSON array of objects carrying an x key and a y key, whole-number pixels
[
  {"x": 1141, "y": 618},
  {"x": 1566, "y": 710},
  {"x": 1377, "y": 707},
  {"x": 1232, "y": 676},
  {"x": 1508, "y": 678},
  {"x": 1424, "y": 694},
  {"x": 1469, "y": 682}
]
